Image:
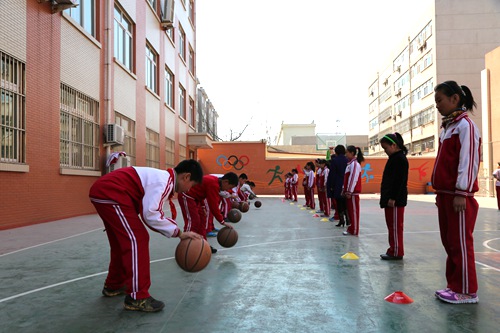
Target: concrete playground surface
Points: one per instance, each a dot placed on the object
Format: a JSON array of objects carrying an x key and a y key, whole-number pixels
[{"x": 285, "y": 274}]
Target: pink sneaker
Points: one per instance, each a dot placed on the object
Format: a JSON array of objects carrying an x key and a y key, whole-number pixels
[
  {"x": 457, "y": 298},
  {"x": 441, "y": 291}
]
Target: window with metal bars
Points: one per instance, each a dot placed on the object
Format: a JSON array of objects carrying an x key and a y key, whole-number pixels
[
  {"x": 79, "y": 130},
  {"x": 152, "y": 149},
  {"x": 12, "y": 110}
]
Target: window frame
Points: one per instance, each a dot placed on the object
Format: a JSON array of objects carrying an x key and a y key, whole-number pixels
[
  {"x": 182, "y": 102},
  {"x": 80, "y": 14},
  {"x": 127, "y": 62},
  {"x": 182, "y": 43},
  {"x": 151, "y": 71}
]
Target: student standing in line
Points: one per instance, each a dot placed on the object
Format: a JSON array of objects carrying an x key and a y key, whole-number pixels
[
  {"x": 311, "y": 184},
  {"x": 338, "y": 165},
  {"x": 496, "y": 175},
  {"x": 321, "y": 185},
  {"x": 294, "y": 184},
  {"x": 305, "y": 182},
  {"x": 454, "y": 179},
  {"x": 352, "y": 187},
  {"x": 394, "y": 193},
  {"x": 128, "y": 200}
]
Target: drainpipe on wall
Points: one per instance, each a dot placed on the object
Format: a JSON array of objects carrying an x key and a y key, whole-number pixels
[{"x": 107, "y": 67}]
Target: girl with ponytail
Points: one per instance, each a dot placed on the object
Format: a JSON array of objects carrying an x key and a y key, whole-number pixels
[
  {"x": 454, "y": 179},
  {"x": 352, "y": 187},
  {"x": 394, "y": 193}
]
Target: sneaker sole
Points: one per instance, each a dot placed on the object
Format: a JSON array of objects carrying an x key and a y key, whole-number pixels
[
  {"x": 135, "y": 308},
  {"x": 462, "y": 301}
]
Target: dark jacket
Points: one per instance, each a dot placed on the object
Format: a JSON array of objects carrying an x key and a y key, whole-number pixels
[
  {"x": 395, "y": 180},
  {"x": 335, "y": 178}
]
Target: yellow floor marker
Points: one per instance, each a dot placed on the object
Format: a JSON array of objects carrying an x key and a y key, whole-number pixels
[{"x": 350, "y": 256}]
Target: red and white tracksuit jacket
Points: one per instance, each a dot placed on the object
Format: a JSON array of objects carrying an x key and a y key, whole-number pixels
[
  {"x": 352, "y": 186},
  {"x": 455, "y": 174},
  {"x": 119, "y": 198}
]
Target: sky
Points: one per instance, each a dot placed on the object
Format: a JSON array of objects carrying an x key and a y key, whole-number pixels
[{"x": 267, "y": 62}]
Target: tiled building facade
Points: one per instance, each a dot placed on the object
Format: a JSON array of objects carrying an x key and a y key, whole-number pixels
[
  {"x": 448, "y": 43},
  {"x": 69, "y": 75}
]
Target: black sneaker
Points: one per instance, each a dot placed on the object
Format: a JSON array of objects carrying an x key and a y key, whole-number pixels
[
  {"x": 113, "y": 292},
  {"x": 146, "y": 304},
  {"x": 214, "y": 250}
]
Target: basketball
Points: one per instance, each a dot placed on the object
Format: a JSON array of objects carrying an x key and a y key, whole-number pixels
[
  {"x": 227, "y": 237},
  {"x": 235, "y": 204},
  {"x": 234, "y": 215},
  {"x": 258, "y": 204},
  {"x": 244, "y": 206},
  {"x": 192, "y": 255}
]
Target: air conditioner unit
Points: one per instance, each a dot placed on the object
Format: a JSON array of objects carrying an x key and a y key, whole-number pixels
[
  {"x": 398, "y": 69},
  {"x": 422, "y": 46},
  {"x": 123, "y": 162},
  {"x": 115, "y": 134},
  {"x": 167, "y": 13},
  {"x": 60, "y": 5}
]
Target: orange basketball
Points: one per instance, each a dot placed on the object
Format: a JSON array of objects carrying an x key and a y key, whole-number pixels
[
  {"x": 192, "y": 255},
  {"x": 244, "y": 206},
  {"x": 234, "y": 215},
  {"x": 258, "y": 204},
  {"x": 235, "y": 204},
  {"x": 227, "y": 237}
]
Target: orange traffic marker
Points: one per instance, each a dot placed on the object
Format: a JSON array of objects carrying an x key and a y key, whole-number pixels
[{"x": 399, "y": 297}]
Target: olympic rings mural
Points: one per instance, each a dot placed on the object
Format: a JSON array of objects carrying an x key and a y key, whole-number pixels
[{"x": 232, "y": 161}]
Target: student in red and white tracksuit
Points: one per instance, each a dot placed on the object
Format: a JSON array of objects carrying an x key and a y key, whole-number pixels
[
  {"x": 305, "y": 182},
  {"x": 317, "y": 180},
  {"x": 286, "y": 185},
  {"x": 454, "y": 179},
  {"x": 294, "y": 184},
  {"x": 324, "y": 203},
  {"x": 352, "y": 187},
  {"x": 204, "y": 198},
  {"x": 242, "y": 179},
  {"x": 311, "y": 184},
  {"x": 119, "y": 198}
]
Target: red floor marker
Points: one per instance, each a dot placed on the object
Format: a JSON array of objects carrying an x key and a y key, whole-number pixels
[{"x": 399, "y": 297}]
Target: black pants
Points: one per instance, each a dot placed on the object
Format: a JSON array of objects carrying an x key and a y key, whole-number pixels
[{"x": 341, "y": 205}]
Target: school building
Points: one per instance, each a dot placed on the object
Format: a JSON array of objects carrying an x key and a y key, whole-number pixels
[
  {"x": 81, "y": 79},
  {"x": 449, "y": 42}
]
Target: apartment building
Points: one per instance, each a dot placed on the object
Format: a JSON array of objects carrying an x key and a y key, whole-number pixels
[
  {"x": 82, "y": 79},
  {"x": 448, "y": 42},
  {"x": 490, "y": 88},
  {"x": 207, "y": 115}
]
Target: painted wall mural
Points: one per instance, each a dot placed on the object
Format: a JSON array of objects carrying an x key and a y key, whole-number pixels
[{"x": 268, "y": 173}]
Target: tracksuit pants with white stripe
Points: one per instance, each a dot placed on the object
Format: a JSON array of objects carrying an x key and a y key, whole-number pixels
[
  {"x": 394, "y": 218},
  {"x": 353, "y": 213},
  {"x": 129, "y": 242},
  {"x": 456, "y": 235}
]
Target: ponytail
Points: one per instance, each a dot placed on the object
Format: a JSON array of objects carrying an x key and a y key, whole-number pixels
[
  {"x": 396, "y": 139},
  {"x": 450, "y": 88},
  {"x": 357, "y": 152}
]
